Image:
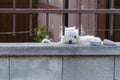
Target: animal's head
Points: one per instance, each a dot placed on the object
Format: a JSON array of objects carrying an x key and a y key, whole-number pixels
[{"x": 71, "y": 35}]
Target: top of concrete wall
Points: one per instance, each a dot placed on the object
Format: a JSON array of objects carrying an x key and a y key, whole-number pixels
[{"x": 36, "y": 49}]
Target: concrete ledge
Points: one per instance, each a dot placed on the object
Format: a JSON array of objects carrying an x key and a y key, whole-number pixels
[{"x": 58, "y": 49}]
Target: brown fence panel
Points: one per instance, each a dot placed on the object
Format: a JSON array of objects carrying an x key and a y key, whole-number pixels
[{"x": 22, "y": 22}]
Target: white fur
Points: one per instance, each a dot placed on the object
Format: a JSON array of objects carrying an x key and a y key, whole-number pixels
[
  {"x": 82, "y": 31},
  {"x": 46, "y": 40},
  {"x": 85, "y": 40},
  {"x": 71, "y": 36}
]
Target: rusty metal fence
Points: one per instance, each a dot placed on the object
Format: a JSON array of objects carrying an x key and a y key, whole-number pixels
[{"x": 78, "y": 11}]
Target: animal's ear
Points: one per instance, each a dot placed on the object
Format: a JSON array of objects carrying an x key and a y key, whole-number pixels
[
  {"x": 61, "y": 30},
  {"x": 82, "y": 31}
]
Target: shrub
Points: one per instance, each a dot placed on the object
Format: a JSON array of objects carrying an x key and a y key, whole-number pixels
[{"x": 40, "y": 33}]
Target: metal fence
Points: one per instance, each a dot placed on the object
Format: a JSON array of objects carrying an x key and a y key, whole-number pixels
[{"x": 78, "y": 11}]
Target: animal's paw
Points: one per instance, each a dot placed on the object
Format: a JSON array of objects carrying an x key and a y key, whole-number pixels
[{"x": 46, "y": 40}]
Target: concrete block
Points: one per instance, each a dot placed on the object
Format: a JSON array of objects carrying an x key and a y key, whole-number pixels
[
  {"x": 4, "y": 69},
  {"x": 88, "y": 68},
  {"x": 36, "y": 68}
]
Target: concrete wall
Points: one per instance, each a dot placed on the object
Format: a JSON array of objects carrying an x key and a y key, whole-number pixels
[
  {"x": 55, "y": 61},
  {"x": 59, "y": 68}
]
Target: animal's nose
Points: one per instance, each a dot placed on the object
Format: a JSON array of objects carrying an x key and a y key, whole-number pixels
[{"x": 70, "y": 41}]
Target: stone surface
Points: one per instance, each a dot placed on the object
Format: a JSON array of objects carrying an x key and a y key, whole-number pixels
[
  {"x": 88, "y": 68},
  {"x": 36, "y": 68},
  {"x": 4, "y": 69}
]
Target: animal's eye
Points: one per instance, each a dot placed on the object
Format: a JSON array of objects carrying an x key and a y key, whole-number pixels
[{"x": 75, "y": 37}]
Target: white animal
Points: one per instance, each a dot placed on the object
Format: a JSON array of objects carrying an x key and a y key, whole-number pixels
[
  {"x": 90, "y": 40},
  {"x": 46, "y": 40},
  {"x": 71, "y": 36},
  {"x": 82, "y": 31}
]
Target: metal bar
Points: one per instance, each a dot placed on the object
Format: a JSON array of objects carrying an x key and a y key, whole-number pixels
[
  {"x": 96, "y": 20},
  {"x": 80, "y": 4},
  {"x": 30, "y": 24},
  {"x": 20, "y": 32},
  {"x": 88, "y": 15},
  {"x": 47, "y": 18},
  {"x": 14, "y": 18},
  {"x": 111, "y": 24},
  {"x": 14, "y": 4},
  {"x": 111, "y": 19},
  {"x": 77, "y": 15},
  {"x": 30, "y": 19},
  {"x": 91, "y": 30},
  {"x": 65, "y": 16},
  {"x": 112, "y": 4},
  {"x": 14, "y": 24},
  {"x": 47, "y": 24},
  {"x": 85, "y": 11},
  {"x": 63, "y": 19},
  {"x": 66, "y": 6},
  {"x": 47, "y": 4}
]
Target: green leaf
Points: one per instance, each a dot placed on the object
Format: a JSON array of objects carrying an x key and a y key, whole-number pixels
[{"x": 40, "y": 33}]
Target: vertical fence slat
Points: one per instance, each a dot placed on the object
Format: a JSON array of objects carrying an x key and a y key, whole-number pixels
[
  {"x": 80, "y": 3},
  {"x": 30, "y": 24},
  {"x": 66, "y": 14},
  {"x": 63, "y": 19},
  {"x": 30, "y": 19},
  {"x": 47, "y": 18},
  {"x": 77, "y": 15},
  {"x": 111, "y": 24},
  {"x": 95, "y": 30},
  {"x": 111, "y": 18},
  {"x": 14, "y": 18}
]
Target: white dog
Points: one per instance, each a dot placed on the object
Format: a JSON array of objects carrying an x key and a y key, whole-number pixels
[
  {"x": 71, "y": 36},
  {"x": 90, "y": 40}
]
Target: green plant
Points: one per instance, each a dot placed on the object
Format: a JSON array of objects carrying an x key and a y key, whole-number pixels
[{"x": 40, "y": 33}]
